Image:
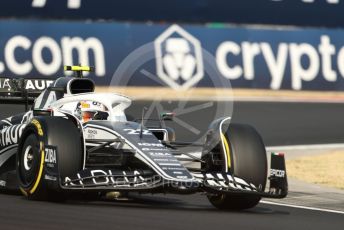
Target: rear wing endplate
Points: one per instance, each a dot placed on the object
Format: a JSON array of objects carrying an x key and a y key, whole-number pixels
[{"x": 22, "y": 91}]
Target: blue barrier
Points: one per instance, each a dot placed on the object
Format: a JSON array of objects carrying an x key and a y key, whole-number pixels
[{"x": 176, "y": 56}]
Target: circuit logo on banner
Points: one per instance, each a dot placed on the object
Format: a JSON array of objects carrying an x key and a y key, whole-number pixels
[
  {"x": 61, "y": 54},
  {"x": 178, "y": 61},
  {"x": 316, "y": 57},
  {"x": 178, "y": 57},
  {"x": 248, "y": 57}
]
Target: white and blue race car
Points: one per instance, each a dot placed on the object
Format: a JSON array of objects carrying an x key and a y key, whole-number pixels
[{"x": 74, "y": 140}]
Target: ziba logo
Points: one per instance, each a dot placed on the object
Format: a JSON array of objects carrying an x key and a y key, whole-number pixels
[{"x": 50, "y": 156}]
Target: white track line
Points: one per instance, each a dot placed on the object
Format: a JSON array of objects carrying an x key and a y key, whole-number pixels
[
  {"x": 299, "y": 147},
  {"x": 305, "y": 147},
  {"x": 302, "y": 207}
]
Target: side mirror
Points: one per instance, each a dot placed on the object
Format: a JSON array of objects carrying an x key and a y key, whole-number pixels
[{"x": 167, "y": 116}]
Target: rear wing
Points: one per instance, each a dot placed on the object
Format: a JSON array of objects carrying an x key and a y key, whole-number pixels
[
  {"x": 22, "y": 91},
  {"x": 25, "y": 91}
]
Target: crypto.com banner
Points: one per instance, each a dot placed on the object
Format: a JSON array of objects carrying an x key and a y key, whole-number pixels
[{"x": 176, "y": 56}]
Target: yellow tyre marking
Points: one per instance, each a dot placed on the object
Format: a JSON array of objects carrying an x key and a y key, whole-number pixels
[
  {"x": 228, "y": 150},
  {"x": 39, "y": 174},
  {"x": 38, "y": 126}
]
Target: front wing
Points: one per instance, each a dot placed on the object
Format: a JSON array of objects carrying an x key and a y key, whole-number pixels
[{"x": 149, "y": 181}]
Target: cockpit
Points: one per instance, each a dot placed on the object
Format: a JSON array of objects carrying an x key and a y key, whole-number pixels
[
  {"x": 90, "y": 110},
  {"x": 76, "y": 96},
  {"x": 94, "y": 106}
]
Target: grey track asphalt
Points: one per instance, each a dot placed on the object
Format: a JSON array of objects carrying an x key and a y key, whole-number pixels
[
  {"x": 279, "y": 124},
  {"x": 156, "y": 212}
]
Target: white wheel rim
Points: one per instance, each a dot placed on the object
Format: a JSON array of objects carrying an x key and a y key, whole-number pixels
[{"x": 27, "y": 158}]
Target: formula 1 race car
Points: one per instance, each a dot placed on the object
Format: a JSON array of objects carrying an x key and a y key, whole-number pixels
[{"x": 73, "y": 140}]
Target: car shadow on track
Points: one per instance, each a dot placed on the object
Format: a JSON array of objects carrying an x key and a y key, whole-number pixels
[
  {"x": 192, "y": 203},
  {"x": 198, "y": 204}
]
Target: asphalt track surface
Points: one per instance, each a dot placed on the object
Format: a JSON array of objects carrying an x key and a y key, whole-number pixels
[
  {"x": 279, "y": 123},
  {"x": 156, "y": 212}
]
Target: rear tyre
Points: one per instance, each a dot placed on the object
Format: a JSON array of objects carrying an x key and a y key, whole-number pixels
[
  {"x": 53, "y": 131},
  {"x": 248, "y": 161}
]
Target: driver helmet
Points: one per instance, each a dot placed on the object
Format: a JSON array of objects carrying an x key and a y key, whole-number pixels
[{"x": 91, "y": 110}]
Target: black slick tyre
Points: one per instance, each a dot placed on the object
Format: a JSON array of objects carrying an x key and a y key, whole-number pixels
[
  {"x": 248, "y": 161},
  {"x": 47, "y": 131}
]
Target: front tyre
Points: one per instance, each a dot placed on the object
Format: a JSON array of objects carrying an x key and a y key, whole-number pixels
[
  {"x": 65, "y": 137},
  {"x": 248, "y": 161},
  {"x": 30, "y": 168}
]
